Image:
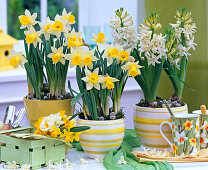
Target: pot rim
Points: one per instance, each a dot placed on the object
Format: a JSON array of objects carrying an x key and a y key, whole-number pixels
[
  {"x": 100, "y": 121},
  {"x": 24, "y": 98},
  {"x": 151, "y": 108}
]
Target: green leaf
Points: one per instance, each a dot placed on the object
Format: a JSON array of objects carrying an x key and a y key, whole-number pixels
[
  {"x": 76, "y": 98},
  {"x": 79, "y": 128},
  {"x": 73, "y": 116}
]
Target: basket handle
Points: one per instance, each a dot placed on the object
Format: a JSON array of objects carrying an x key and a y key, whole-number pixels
[{"x": 16, "y": 130}]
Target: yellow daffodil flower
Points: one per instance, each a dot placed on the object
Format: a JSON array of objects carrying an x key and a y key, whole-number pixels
[
  {"x": 111, "y": 52},
  {"x": 92, "y": 79},
  {"x": 192, "y": 142},
  {"x": 133, "y": 68},
  {"x": 38, "y": 132},
  {"x": 57, "y": 55},
  {"x": 27, "y": 20},
  {"x": 89, "y": 58},
  {"x": 175, "y": 148},
  {"x": 56, "y": 131},
  {"x": 188, "y": 125},
  {"x": 69, "y": 17},
  {"x": 16, "y": 59},
  {"x": 73, "y": 39},
  {"x": 69, "y": 124},
  {"x": 67, "y": 135},
  {"x": 75, "y": 136},
  {"x": 32, "y": 36},
  {"x": 76, "y": 57},
  {"x": 108, "y": 82},
  {"x": 100, "y": 39},
  {"x": 124, "y": 55},
  {"x": 45, "y": 27},
  {"x": 58, "y": 26}
]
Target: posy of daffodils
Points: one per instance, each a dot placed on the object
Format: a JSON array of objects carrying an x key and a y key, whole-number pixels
[{"x": 59, "y": 126}]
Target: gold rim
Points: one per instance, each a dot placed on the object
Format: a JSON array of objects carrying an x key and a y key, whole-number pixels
[
  {"x": 87, "y": 124},
  {"x": 149, "y": 108},
  {"x": 156, "y": 146},
  {"x": 97, "y": 152}
]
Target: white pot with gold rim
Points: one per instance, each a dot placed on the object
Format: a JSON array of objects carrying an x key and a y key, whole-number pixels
[
  {"x": 104, "y": 136},
  {"x": 147, "y": 125}
]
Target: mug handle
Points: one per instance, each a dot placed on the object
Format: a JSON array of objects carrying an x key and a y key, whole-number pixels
[{"x": 163, "y": 135}]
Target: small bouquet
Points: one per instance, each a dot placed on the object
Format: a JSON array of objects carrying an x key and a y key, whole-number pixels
[
  {"x": 59, "y": 126},
  {"x": 101, "y": 77},
  {"x": 179, "y": 41}
]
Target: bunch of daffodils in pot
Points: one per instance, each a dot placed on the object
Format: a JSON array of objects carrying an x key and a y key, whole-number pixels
[
  {"x": 46, "y": 47},
  {"x": 179, "y": 41},
  {"x": 101, "y": 78},
  {"x": 150, "y": 53},
  {"x": 59, "y": 126}
]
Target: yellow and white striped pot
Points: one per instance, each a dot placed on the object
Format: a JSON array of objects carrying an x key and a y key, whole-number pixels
[
  {"x": 104, "y": 136},
  {"x": 147, "y": 125}
]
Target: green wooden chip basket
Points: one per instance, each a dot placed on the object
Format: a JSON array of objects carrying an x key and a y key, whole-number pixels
[{"x": 36, "y": 152}]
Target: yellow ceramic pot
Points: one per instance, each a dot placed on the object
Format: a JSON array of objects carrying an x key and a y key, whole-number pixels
[
  {"x": 102, "y": 137},
  {"x": 38, "y": 108},
  {"x": 147, "y": 125}
]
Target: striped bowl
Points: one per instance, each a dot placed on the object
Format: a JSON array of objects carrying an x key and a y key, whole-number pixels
[
  {"x": 147, "y": 125},
  {"x": 104, "y": 136}
]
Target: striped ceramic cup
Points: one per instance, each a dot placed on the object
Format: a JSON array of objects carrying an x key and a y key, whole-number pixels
[{"x": 104, "y": 136}]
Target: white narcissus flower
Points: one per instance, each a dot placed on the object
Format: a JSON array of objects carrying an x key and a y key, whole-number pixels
[
  {"x": 133, "y": 68},
  {"x": 26, "y": 167},
  {"x": 107, "y": 82},
  {"x": 16, "y": 59},
  {"x": 183, "y": 51},
  {"x": 100, "y": 39},
  {"x": 180, "y": 138},
  {"x": 73, "y": 39},
  {"x": 58, "y": 26},
  {"x": 195, "y": 151},
  {"x": 203, "y": 140},
  {"x": 83, "y": 161},
  {"x": 27, "y": 20},
  {"x": 11, "y": 165},
  {"x": 57, "y": 55},
  {"x": 99, "y": 159},
  {"x": 76, "y": 57},
  {"x": 68, "y": 17},
  {"x": 68, "y": 164},
  {"x": 51, "y": 165},
  {"x": 111, "y": 52},
  {"x": 32, "y": 36},
  {"x": 88, "y": 58},
  {"x": 45, "y": 27},
  {"x": 92, "y": 79},
  {"x": 122, "y": 161}
]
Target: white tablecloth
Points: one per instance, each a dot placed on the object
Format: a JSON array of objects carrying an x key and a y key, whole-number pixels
[{"x": 74, "y": 157}]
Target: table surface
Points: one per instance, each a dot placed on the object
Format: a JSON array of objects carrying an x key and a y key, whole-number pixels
[{"x": 74, "y": 157}]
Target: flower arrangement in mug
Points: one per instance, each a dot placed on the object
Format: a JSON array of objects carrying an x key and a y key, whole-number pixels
[
  {"x": 101, "y": 76},
  {"x": 59, "y": 126},
  {"x": 46, "y": 47},
  {"x": 150, "y": 52},
  {"x": 186, "y": 140},
  {"x": 179, "y": 41}
]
